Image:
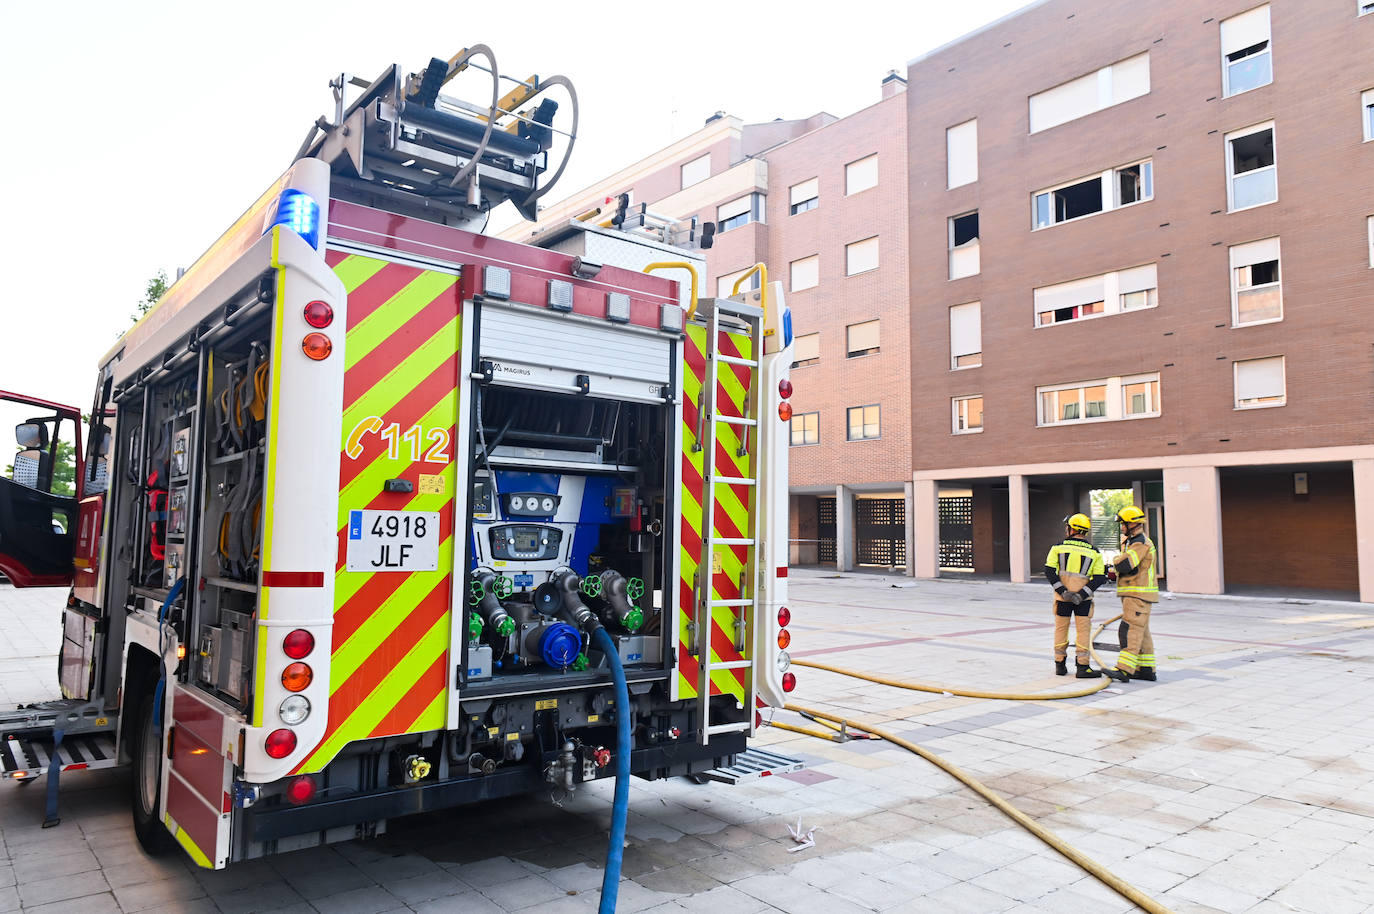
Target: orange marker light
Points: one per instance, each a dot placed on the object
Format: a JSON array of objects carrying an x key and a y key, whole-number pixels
[
  {"x": 784, "y": 638},
  {"x": 316, "y": 346},
  {"x": 296, "y": 677},
  {"x": 785, "y": 411}
]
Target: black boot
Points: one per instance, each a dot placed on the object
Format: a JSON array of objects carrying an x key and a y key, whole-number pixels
[
  {"x": 1086, "y": 672},
  {"x": 1117, "y": 675},
  {"x": 1146, "y": 673},
  {"x": 1061, "y": 668}
]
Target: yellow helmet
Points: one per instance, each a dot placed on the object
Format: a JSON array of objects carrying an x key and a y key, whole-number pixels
[
  {"x": 1078, "y": 522},
  {"x": 1130, "y": 515}
]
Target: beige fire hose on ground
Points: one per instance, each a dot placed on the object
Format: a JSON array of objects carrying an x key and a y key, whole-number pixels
[{"x": 842, "y": 724}]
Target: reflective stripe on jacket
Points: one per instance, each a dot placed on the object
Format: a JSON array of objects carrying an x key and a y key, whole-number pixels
[{"x": 1139, "y": 580}]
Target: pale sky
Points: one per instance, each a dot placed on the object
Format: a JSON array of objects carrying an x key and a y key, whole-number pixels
[{"x": 137, "y": 132}]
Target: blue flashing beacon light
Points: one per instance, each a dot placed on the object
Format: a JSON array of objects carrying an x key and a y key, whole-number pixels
[{"x": 299, "y": 212}]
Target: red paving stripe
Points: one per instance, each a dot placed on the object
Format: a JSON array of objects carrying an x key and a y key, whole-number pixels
[
  {"x": 378, "y": 289},
  {"x": 433, "y": 683},
  {"x": 891, "y": 641},
  {"x": 392, "y": 352}
]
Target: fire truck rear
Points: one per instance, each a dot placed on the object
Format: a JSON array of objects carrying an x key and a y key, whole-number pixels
[{"x": 359, "y": 491}]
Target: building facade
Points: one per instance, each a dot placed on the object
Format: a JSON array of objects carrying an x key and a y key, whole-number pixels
[
  {"x": 1141, "y": 252},
  {"x": 821, "y": 202}
]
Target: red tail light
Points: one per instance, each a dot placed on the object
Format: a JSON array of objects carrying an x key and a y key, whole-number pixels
[
  {"x": 281, "y": 743},
  {"x": 784, "y": 615},
  {"x": 319, "y": 315},
  {"x": 785, "y": 388},
  {"x": 301, "y": 790},
  {"x": 298, "y": 644},
  {"x": 789, "y": 681}
]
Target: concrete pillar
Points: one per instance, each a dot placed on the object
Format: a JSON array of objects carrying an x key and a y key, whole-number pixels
[
  {"x": 1018, "y": 528},
  {"x": 909, "y": 513},
  {"x": 1364, "y": 526},
  {"x": 1192, "y": 518},
  {"x": 925, "y": 511},
  {"x": 844, "y": 528}
]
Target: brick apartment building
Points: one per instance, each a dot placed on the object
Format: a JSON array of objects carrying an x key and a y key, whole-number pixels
[
  {"x": 822, "y": 202},
  {"x": 1141, "y": 251}
]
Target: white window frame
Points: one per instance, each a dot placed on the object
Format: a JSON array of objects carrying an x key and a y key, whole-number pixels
[
  {"x": 1099, "y": 84},
  {"x": 813, "y": 260},
  {"x": 849, "y": 171},
  {"x": 854, "y": 247},
  {"x": 959, "y": 416},
  {"x": 849, "y": 425},
  {"x": 796, "y": 350},
  {"x": 1367, "y": 114},
  {"x": 849, "y": 351},
  {"x": 1238, "y": 261},
  {"x": 1369, "y": 229},
  {"x": 1363, "y": 7},
  {"x": 1114, "y": 400},
  {"x": 961, "y": 163},
  {"x": 1226, "y": 90},
  {"x": 1113, "y": 298},
  {"x": 701, "y": 161},
  {"x": 794, "y": 198},
  {"x": 1231, "y": 165},
  {"x": 1235, "y": 378},
  {"x": 792, "y": 430},
  {"x": 956, "y": 352},
  {"x": 967, "y": 256},
  {"x": 1110, "y": 190}
]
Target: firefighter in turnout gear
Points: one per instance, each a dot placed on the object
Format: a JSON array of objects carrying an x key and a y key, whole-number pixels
[
  {"x": 1075, "y": 569},
  {"x": 1135, "y": 584}
]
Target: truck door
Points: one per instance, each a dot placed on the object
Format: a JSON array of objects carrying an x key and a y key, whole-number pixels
[{"x": 39, "y": 478}]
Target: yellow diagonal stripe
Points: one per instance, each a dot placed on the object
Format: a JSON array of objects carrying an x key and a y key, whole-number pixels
[
  {"x": 401, "y": 380},
  {"x": 392, "y": 315},
  {"x": 355, "y": 270}
]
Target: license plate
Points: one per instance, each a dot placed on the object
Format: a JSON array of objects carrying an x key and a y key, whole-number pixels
[{"x": 393, "y": 541}]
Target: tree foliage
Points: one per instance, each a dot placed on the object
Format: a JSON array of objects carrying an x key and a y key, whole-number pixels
[{"x": 157, "y": 287}]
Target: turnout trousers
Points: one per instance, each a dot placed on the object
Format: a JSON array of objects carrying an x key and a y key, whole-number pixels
[
  {"x": 1140, "y": 647},
  {"x": 1082, "y": 618}
]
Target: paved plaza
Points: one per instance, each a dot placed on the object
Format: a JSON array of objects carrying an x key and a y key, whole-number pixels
[{"x": 1240, "y": 782}]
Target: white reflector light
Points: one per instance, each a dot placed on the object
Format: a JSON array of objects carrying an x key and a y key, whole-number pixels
[
  {"x": 560, "y": 295},
  {"x": 784, "y": 661},
  {"x": 672, "y": 318},
  {"x": 294, "y": 710},
  {"x": 496, "y": 282},
  {"x": 618, "y": 307}
]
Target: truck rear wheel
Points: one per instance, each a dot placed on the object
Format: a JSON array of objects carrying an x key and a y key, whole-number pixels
[{"x": 146, "y": 795}]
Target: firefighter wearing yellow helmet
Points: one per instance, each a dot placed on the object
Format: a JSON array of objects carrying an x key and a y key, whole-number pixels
[
  {"x": 1075, "y": 569},
  {"x": 1135, "y": 584}
]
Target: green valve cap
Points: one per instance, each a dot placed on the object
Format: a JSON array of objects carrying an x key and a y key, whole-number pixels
[
  {"x": 475, "y": 592},
  {"x": 634, "y": 589},
  {"x": 505, "y": 627},
  {"x": 503, "y": 587},
  {"x": 580, "y": 663},
  {"x": 474, "y": 626},
  {"x": 633, "y": 619}
]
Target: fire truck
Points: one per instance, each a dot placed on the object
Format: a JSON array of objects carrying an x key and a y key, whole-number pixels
[{"x": 373, "y": 509}]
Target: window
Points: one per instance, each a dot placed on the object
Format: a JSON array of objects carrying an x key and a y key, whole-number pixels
[
  {"x": 863, "y": 422},
  {"x": 966, "y": 335},
  {"x": 804, "y": 196},
  {"x": 861, "y": 256},
  {"x": 1104, "y": 400},
  {"x": 1367, "y": 106},
  {"x": 725, "y": 284},
  {"x": 1260, "y": 383},
  {"x": 1365, "y": 6},
  {"x": 806, "y": 429},
  {"x": 968, "y": 415},
  {"x": 861, "y": 175},
  {"x": 963, "y": 245},
  {"x": 806, "y": 273},
  {"x": 1112, "y": 85},
  {"x": 961, "y": 154},
  {"x": 861, "y": 339},
  {"x": 1256, "y": 291},
  {"x": 1252, "y": 179},
  {"x": 1245, "y": 54},
  {"x": 806, "y": 350},
  {"x": 1093, "y": 296},
  {"x": 1369, "y": 230},
  {"x": 696, "y": 171},
  {"x": 741, "y": 211},
  {"x": 1111, "y": 189}
]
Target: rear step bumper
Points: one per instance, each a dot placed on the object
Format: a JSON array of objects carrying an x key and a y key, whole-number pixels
[
  {"x": 29, "y": 755},
  {"x": 754, "y": 763}
]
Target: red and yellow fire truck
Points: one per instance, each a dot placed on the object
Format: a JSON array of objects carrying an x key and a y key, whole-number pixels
[{"x": 357, "y": 492}]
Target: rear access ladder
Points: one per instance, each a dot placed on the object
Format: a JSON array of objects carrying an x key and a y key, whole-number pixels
[{"x": 744, "y": 609}]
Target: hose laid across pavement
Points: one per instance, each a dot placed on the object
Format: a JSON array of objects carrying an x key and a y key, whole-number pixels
[{"x": 1084, "y": 862}]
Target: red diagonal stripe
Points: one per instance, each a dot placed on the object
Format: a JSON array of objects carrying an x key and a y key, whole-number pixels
[
  {"x": 724, "y": 646},
  {"x": 392, "y": 352},
  {"x": 433, "y": 682},
  {"x": 378, "y": 289},
  {"x": 349, "y": 617},
  {"x": 687, "y": 665},
  {"x": 439, "y": 384},
  {"x": 729, "y": 347},
  {"x": 389, "y": 655},
  {"x": 333, "y": 257}
]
